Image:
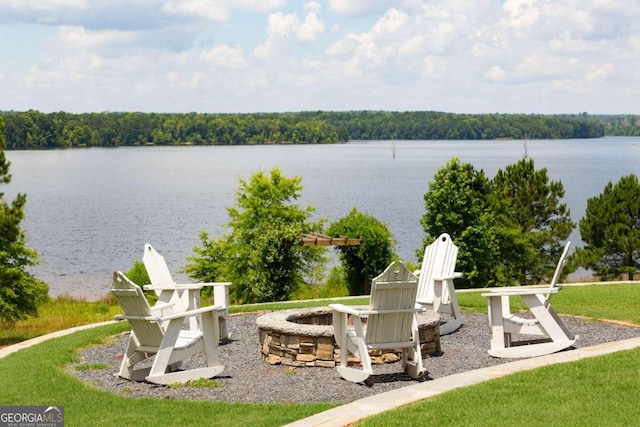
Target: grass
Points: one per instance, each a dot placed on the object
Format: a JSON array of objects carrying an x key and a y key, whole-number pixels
[
  {"x": 37, "y": 376},
  {"x": 599, "y": 391},
  {"x": 591, "y": 392},
  {"x": 617, "y": 302},
  {"x": 57, "y": 314},
  {"x": 64, "y": 312}
]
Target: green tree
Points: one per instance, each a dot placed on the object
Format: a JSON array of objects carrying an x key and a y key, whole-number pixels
[
  {"x": 138, "y": 275},
  {"x": 363, "y": 262},
  {"x": 531, "y": 222},
  {"x": 611, "y": 230},
  {"x": 455, "y": 203},
  {"x": 262, "y": 255},
  {"x": 20, "y": 292}
]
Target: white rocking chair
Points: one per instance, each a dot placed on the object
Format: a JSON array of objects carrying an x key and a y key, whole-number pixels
[
  {"x": 391, "y": 323},
  {"x": 546, "y": 324},
  {"x": 170, "y": 345},
  {"x": 184, "y": 296},
  {"x": 435, "y": 287}
]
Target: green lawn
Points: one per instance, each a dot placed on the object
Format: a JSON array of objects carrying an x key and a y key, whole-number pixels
[
  {"x": 599, "y": 391},
  {"x": 602, "y": 391}
]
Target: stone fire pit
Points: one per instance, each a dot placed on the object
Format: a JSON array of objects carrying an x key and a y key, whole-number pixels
[{"x": 304, "y": 337}]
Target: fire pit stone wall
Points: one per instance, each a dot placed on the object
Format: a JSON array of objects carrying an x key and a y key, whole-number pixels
[{"x": 304, "y": 337}]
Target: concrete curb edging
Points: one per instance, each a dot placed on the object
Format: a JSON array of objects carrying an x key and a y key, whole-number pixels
[
  {"x": 37, "y": 340},
  {"x": 351, "y": 412}
]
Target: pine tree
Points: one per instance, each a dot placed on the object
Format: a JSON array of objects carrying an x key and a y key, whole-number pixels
[
  {"x": 611, "y": 230},
  {"x": 20, "y": 291},
  {"x": 531, "y": 222}
]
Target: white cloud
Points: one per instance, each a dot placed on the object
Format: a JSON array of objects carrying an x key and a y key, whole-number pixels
[
  {"x": 80, "y": 38},
  {"x": 495, "y": 73},
  {"x": 312, "y": 7},
  {"x": 521, "y": 14},
  {"x": 343, "y": 47},
  {"x": 284, "y": 29},
  {"x": 258, "y": 5},
  {"x": 265, "y": 54},
  {"x": 43, "y": 4},
  {"x": 224, "y": 56},
  {"x": 433, "y": 67},
  {"x": 312, "y": 28},
  {"x": 213, "y": 10},
  {"x": 599, "y": 72},
  {"x": 392, "y": 23},
  {"x": 413, "y": 45},
  {"x": 352, "y": 7},
  {"x": 566, "y": 43},
  {"x": 218, "y": 10},
  {"x": 542, "y": 65}
]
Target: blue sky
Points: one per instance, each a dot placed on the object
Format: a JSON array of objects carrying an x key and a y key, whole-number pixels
[{"x": 227, "y": 56}]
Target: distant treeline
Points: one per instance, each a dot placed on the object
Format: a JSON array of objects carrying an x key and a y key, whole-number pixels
[
  {"x": 35, "y": 130},
  {"x": 620, "y": 125}
]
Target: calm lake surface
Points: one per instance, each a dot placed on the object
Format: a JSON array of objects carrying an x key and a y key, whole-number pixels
[{"x": 90, "y": 211}]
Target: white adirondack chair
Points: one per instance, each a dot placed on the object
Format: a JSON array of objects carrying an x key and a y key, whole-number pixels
[
  {"x": 170, "y": 345},
  {"x": 550, "y": 332},
  {"x": 185, "y": 296},
  {"x": 390, "y": 323},
  {"x": 435, "y": 287}
]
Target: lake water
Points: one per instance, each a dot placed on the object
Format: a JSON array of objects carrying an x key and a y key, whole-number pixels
[{"x": 90, "y": 211}]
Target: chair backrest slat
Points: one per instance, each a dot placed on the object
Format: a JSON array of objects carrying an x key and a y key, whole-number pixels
[
  {"x": 556, "y": 275},
  {"x": 157, "y": 268},
  {"x": 439, "y": 261},
  {"x": 134, "y": 303},
  {"x": 393, "y": 289}
]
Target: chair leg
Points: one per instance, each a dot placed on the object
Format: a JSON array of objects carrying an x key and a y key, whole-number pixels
[
  {"x": 346, "y": 344},
  {"x": 211, "y": 337},
  {"x": 415, "y": 368},
  {"x": 450, "y": 307},
  {"x": 222, "y": 320},
  {"x": 163, "y": 356},
  {"x": 130, "y": 358}
]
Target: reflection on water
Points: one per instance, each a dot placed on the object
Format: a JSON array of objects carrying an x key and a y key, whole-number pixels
[{"x": 90, "y": 211}]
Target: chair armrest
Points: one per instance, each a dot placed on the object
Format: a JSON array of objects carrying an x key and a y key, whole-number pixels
[
  {"x": 397, "y": 310},
  {"x": 202, "y": 285},
  {"x": 162, "y": 306},
  {"x": 517, "y": 288},
  {"x": 451, "y": 277},
  {"x": 190, "y": 313},
  {"x": 341, "y": 308},
  {"x": 147, "y": 318},
  {"x": 519, "y": 291},
  {"x": 172, "y": 287},
  {"x": 217, "y": 284}
]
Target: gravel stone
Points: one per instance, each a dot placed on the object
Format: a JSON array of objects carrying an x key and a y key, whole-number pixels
[{"x": 248, "y": 378}]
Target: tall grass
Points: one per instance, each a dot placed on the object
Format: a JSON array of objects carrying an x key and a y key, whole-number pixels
[
  {"x": 65, "y": 312},
  {"x": 59, "y": 313}
]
